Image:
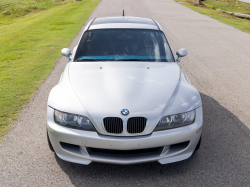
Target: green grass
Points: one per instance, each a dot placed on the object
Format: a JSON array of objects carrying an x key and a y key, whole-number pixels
[
  {"x": 229, "y": 5},
  {"x": 22, "y": 7},
  {"x": 29, "y": 48},
  {"x": 11, "y": 9},
  {"x": 207, "y": 9}
]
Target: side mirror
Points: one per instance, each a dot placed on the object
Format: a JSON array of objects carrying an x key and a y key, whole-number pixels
[
  {"x": 66, "y": 52},
  {"x": 181, "y": 53}
]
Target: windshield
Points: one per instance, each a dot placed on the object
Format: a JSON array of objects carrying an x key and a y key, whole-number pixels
[{"x": 123, "y": 45}]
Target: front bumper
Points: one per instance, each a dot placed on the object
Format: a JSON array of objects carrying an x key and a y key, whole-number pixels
[{"x": 73, "y": 145}]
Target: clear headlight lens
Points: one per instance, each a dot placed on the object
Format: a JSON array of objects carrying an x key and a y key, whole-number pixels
[
  {"x": 73, "y": 121},
  {"x": 175, "y": 121}
]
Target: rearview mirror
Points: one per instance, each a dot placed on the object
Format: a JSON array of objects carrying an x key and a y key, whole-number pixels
[
  {"x": 181, "y": 53},
  {"x": 66, "y": 52}
]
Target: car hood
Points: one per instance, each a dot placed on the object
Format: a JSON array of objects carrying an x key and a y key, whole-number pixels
[{"x": 105, "y": 88}]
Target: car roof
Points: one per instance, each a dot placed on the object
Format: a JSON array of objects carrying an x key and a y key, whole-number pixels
[{"x": 123, "y": 22}]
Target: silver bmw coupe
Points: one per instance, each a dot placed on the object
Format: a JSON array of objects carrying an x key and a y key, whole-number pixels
[{"x": 123, "y": 97}]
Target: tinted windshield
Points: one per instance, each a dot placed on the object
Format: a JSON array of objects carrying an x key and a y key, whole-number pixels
[{"x": 123, "y": 45}]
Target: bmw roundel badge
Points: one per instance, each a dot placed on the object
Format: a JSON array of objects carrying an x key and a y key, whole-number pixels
[{"x": 125, "y": 112}]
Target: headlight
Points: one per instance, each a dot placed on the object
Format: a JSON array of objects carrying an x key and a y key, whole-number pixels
[
  {"x": 73, "y": 121},
  {"x": 175, "y": 121}
]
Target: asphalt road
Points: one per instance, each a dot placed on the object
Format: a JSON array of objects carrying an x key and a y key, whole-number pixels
[{"x": 218, "y": 65}]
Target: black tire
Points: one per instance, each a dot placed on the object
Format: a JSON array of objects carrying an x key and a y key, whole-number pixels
[
  {"x": 198, "y": 145},
  {"x": 50, "y": 145}
]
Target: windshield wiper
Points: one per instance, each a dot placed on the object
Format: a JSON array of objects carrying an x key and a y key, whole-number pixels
[
  {"x": 129, "y": 60},
  {"x": 100, "y": 60},
  {"x": 84, "y": 60},
  {"x": 142, "y": 60}
]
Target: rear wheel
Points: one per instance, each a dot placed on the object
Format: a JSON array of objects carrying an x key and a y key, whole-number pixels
[
  {"x": 198, "y": 145},
  {"x": 50, "y": 145}
]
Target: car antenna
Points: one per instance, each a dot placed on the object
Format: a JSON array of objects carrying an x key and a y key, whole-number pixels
[{"x": 123, "y": 13}]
